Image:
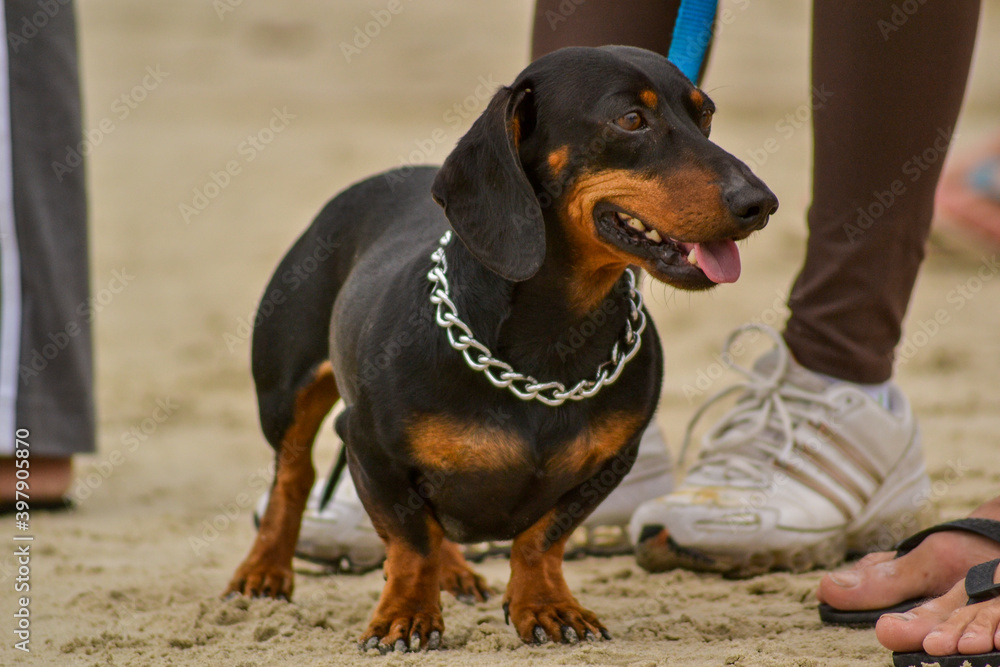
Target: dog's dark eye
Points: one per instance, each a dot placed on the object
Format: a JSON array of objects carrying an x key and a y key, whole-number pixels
[
  {"x": 632, "y": 121},
  {"x": 705, "y": 122}
]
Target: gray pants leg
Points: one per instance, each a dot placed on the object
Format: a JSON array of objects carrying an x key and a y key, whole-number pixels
[{"x": 46, "y": 384}]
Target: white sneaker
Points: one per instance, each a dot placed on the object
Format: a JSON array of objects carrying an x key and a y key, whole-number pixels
[
  {"x": 340, "y": 534},
  {"x": 799, "y": 472}
]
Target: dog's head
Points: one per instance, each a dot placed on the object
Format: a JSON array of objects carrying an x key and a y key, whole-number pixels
[{"x": 608, "y": 149}]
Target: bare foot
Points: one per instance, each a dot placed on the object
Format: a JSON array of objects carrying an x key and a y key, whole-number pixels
[
  {"x": 945, "y": 625},
  {"x": 880, "y": 580},
  {"x": 49, "y": 478}
]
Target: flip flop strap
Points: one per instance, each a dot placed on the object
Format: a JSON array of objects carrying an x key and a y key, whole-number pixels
[
  {"x": 987, "y": 528},
  {"x": 979, "y": 582}
]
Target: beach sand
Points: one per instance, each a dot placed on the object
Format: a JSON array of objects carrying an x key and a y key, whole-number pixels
[{"x": 217, "y": 130}]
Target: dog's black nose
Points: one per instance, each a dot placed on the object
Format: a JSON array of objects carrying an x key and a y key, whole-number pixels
[{"x": 751, "y": 204}]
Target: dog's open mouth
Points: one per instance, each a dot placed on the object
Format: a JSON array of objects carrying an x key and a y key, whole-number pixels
[{"x": 718, "y": 261}]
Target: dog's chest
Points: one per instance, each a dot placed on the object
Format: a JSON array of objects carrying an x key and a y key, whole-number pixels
[
  {"x": 482, "y": 478},
  {"x": 454, "y": 446}
]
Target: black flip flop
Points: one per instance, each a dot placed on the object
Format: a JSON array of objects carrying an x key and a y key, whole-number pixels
[
  {"x": 979, "y": 587},
  {"x": 988, "y": 528}
]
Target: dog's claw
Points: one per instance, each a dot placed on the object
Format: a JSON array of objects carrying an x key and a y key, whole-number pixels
[
  {"x": 466, "y": 598},
  {"x": 370, "y": 644},
  {"x": 400, "y": 646},
  {"x": 506, "y": 613},
  {"x": 590, "y": 636},
  {"x": 569, "y": 635},
  {"x": 434, "y": 641},
  {"x": 605, "y": 634},
  {"x": 414, "y": 641},
  {"x": 540, "y": 635}
]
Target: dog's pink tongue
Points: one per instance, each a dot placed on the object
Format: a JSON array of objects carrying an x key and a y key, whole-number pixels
[{"x": 720, "y": 260}]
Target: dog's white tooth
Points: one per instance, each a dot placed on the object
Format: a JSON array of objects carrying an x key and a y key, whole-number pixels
[
  {"x": 693, "y": 257},
  {"x": 635, "y": 223},
  {"x": 654, "y": 236}
]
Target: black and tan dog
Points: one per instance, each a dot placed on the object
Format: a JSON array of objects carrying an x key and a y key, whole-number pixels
[{"x": 591, "y": 161}]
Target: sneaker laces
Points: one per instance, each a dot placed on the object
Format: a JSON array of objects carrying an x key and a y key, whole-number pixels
[{"x": 760, "y": 428}]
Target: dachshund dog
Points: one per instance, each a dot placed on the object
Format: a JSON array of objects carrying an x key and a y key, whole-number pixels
[{"x": 481, "y": 324}]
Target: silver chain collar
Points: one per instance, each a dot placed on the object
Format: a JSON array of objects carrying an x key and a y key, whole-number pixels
[{"x": 501, "y": 374}]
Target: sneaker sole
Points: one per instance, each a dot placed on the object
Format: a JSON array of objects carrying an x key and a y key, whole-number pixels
[
  {"x": 889, "y": 517},
  {"x": 658, "y": 552}
]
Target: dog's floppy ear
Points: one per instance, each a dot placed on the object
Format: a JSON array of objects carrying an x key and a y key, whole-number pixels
[{"x": 486, "y": 194}]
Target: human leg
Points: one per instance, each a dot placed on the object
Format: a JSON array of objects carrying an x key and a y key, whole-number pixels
[
  {"x": 46, "y": 371},
  {"x": 814, "y": 463}
]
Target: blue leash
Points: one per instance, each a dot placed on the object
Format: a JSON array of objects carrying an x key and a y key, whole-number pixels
[{"x": 692, "y": 35}]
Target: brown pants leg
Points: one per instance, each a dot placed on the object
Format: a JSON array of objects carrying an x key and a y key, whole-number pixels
[
  {"x": 891, "y": 92},
  {"x": 880, "y": 141},
  {"x": 648, "y": 24}
]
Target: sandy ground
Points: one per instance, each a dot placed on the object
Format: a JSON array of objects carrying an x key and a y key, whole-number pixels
[{"x": 177, "y": 94}]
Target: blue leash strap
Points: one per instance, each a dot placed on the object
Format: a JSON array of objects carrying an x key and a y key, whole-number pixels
[{"x": 692, "y": 35}]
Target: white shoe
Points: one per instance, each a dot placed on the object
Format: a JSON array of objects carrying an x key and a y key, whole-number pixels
[
  {"x": 338, "y": 534},
  {"x": 799, "y": 472}
]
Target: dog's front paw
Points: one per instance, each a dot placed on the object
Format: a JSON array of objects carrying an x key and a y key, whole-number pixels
[
  {"x": 398, "y": 630},
  {"x": 539, "y": 621},
  {"x": 258, "y": 578},
  {"x": 458, "y": 578}
]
